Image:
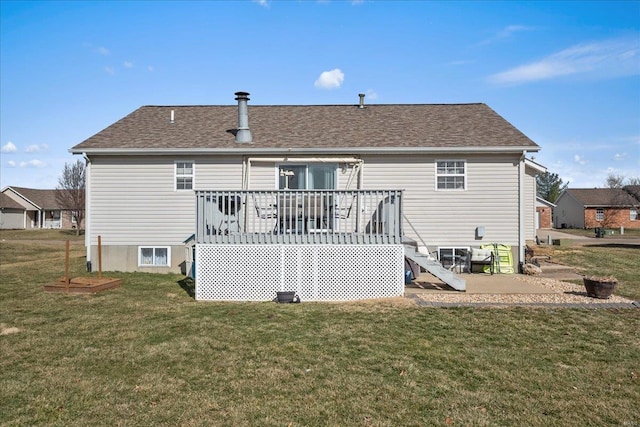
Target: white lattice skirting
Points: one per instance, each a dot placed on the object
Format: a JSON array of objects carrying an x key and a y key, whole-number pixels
[{"x": 315, "y": 272}]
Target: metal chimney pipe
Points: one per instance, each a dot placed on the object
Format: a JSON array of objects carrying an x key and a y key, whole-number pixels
[
  {"x": 361, "y": 95},
  {"x": 244, "y": 134}
]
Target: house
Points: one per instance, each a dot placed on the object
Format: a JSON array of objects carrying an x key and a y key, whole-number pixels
[
  {"x": 12, "y": 213},
  {"x": 38, "y": 209},
  {"x": 597, "y": 207},
  {"x": 319, "y": 198},
  {"x": 544, "y": 211}
]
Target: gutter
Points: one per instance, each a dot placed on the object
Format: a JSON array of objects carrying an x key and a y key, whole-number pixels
[
  {"x": 521, "y": 238},
  {"x": 281, "y": 151}
]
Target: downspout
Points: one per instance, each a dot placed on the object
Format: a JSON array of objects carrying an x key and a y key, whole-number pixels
[
  {"x": 87, "y": 208},
  {"x": 521, "y": 239}
]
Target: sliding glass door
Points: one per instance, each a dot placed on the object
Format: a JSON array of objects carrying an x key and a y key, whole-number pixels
[{"x": 313, "y": 176}]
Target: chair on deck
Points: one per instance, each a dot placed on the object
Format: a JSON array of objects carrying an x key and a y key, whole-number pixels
[
  {"x": 230, "y": 207},
  {"x": 342, "y": 212},
  {"x": 265, "y": 209}
]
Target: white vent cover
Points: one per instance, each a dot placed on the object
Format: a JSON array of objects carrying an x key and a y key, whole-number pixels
[{"x": 315, "y": 272}]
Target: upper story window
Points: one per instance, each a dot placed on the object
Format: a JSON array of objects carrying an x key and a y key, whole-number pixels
[
  {"x": 633, "y": 214},
  {"x": 307, "y": 177},
  {"x": 599, "y": 214},
  {"x": 451, "y": 175},
  {"x": 184, "y": 175}
]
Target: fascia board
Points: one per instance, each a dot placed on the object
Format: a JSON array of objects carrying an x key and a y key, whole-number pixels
[
  {"x": 17, "y": 193},
  {"x": 324, "y": 151}
]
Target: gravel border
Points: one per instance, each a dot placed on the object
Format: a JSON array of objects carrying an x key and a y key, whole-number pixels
[{"x": 561, "y": 295}]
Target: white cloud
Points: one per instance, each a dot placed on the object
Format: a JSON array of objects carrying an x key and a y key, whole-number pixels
[
  {"x": 371, "y": 94},
  {"x": 506, "y": 32},
  {"x": 127, "y": 64},
  {"x": 103, "y": 51},
  {"x": 330, "y": 79},
  {"x": 35, "y": 148},
  {"x": 11, "y": 163},
  {"x": 263, "y": 3},
  {"x": 604, "y": 59},
  {"x": 35, "y": 163},
  {"x": 620, "y": 156},
  {"x": 150, "y": 68},
  {"x": 579, "y": 159},
  {"x": 110, "y": 70},
  {"x": 9, "y": 147}
]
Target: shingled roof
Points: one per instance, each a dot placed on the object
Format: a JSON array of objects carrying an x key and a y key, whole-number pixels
[
  {"x": 43, "y": 199},
  {"x": 409, "y": 126},
  {"x": 603, "y": 197},
  {"x": 7, "y": 202}
]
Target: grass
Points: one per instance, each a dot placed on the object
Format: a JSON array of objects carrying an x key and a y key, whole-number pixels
[
  {"x": 601, "y": 258},
  {"x": 629, "y": 233},
  {"x": 148, "y": 354}
]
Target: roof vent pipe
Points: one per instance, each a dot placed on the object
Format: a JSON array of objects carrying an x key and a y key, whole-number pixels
[
  {"x": 361, "y": 95},
  {"x": 244, "y": 134}
]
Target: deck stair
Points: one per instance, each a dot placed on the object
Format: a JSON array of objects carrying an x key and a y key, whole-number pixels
[{"x": 434, "y": 267}]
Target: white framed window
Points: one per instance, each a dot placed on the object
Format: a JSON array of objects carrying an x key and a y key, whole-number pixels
[
  {"x": 633, "y": 214},
  {"x": 184, "y": 174},
  {"x": 451, "y": 175},
  {"x": 599, "y": 214},
  {"x": 312, "y": 176},
  {"x": 453, "y": 256},
  {"x": 154, "y": 256}
]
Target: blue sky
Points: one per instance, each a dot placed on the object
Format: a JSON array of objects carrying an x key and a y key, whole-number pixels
[{"x": 567, "y": 74}]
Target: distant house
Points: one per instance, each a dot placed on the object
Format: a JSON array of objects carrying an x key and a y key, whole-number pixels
[
  {"x": 597, "y": 207},
  {"x": 38, "y": 209},
  {"x": 12, "y": 213},
  {"x": 544, "y": 212},
  {"x": 325, "y": 200}
]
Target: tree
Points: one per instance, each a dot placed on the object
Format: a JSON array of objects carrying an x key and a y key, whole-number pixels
[
  {"x": 70, "y": 191},
  {"x": 550, "y": 186},
  {"x": 619, "y": 181},
  {"x": 614, "y": 181}
]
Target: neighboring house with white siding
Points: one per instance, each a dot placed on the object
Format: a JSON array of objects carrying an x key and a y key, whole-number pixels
[
  {"x": 39, "y": 209},
  {"x": 448, "y": 177}
]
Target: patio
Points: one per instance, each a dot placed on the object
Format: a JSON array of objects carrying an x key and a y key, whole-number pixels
[{"x": 508, "y": 290}]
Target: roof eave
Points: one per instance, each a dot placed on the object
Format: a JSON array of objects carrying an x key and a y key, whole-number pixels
[{"x": 279, "y": 150}]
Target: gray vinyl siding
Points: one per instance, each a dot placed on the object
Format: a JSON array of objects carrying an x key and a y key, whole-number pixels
[
  {"x": 134, "y": 201},
  {"x": 442, "y": 218},
  {"x": 12, "y": 219},
  {"x": 450, "y": 218},
  {"x": 263, "y": 176},
  {"x": 568, "y": 211}
]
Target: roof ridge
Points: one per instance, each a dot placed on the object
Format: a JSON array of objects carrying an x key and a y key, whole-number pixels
[{"x": 313, "y": 105}]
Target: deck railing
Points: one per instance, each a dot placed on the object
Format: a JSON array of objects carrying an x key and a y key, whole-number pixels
[{"x": 299, "y": 217}]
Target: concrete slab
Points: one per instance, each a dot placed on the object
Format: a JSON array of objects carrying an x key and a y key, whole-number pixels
[{"x": 477, "y": 283}]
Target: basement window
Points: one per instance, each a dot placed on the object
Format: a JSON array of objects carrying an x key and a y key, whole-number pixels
[
  {"x": 453, "y": 257},
  {"x": 184, "y": 175},
  {"x": 149, "y": 256},
  {"x": 451, "y": 175}
]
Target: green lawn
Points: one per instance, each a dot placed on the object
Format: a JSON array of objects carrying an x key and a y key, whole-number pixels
[
  {"x": 148, "y": 354},
  {"x": 613, "y": 233}
]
